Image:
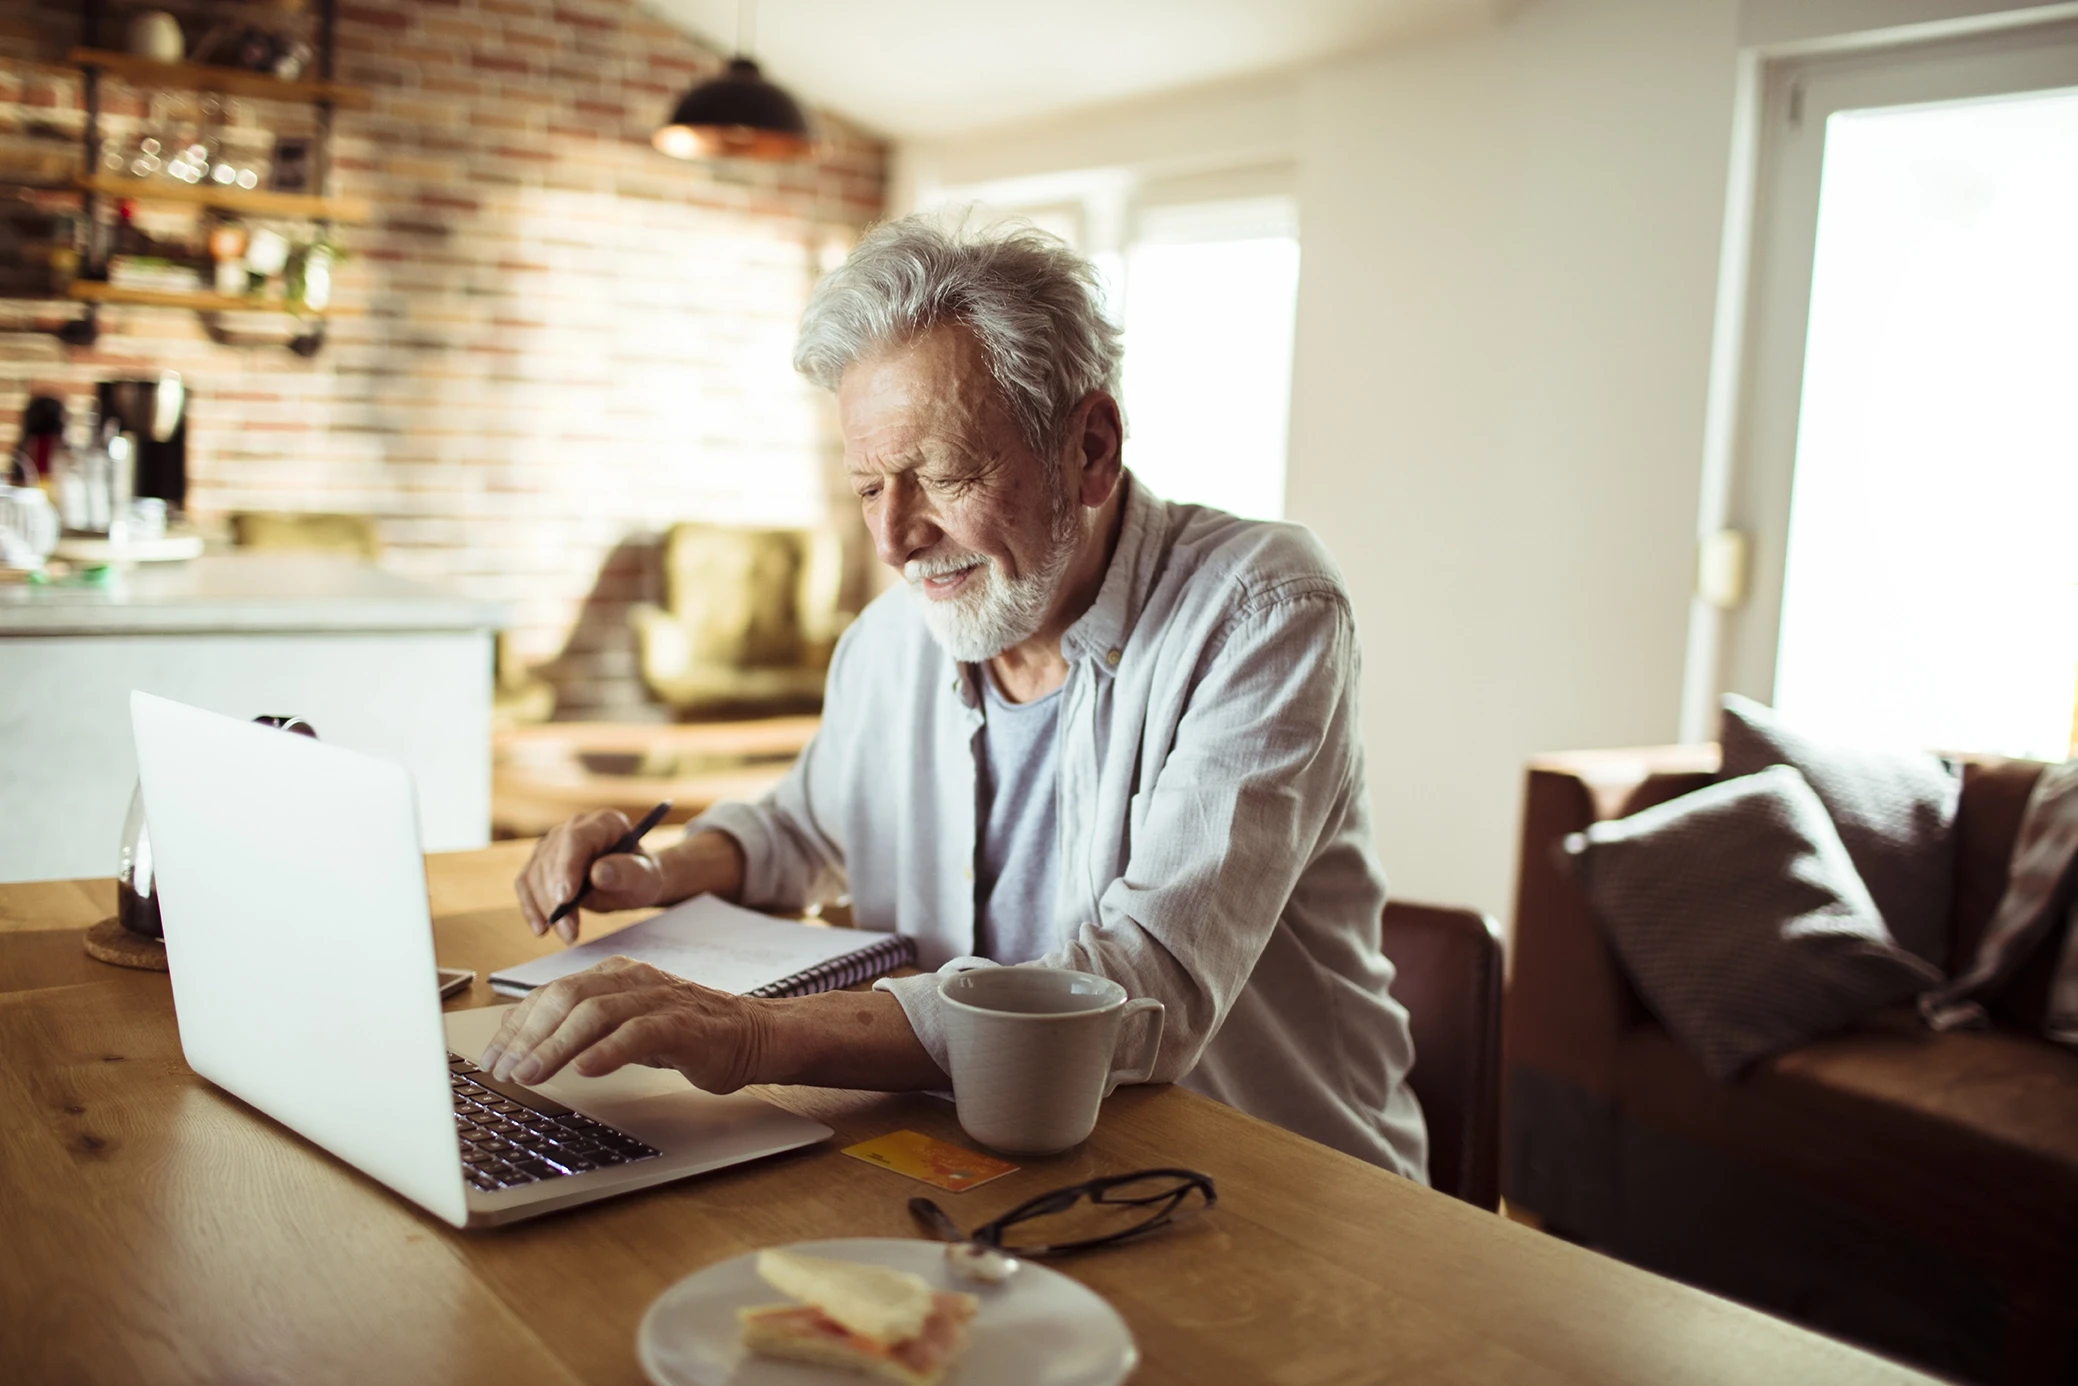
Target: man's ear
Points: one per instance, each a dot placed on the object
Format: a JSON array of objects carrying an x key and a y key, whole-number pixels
[{"x": 1092, "y": 451}]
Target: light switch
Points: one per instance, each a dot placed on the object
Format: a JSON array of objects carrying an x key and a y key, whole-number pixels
[{"x": 1721, "y": 569}]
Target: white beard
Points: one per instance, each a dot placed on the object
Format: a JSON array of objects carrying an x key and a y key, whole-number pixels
[{"x": 994, "y": 612}]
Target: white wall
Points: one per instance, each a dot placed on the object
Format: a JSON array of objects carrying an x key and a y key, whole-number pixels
[
  {"x": 1232, "y": 125},
  {"x": 1510, "y": 247}
]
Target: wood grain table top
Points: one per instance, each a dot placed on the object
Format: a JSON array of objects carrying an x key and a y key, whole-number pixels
[{"x": 154, "y": 1229}]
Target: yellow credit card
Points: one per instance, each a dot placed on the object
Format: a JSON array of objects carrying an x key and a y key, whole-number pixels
[{"x": 933, "y": 1161}]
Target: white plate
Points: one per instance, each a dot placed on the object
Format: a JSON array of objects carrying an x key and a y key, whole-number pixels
[{"x": 1038, "y": 1329}]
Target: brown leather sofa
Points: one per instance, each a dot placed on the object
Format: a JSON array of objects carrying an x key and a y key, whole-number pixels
[{"x": 1912, "y": 1191}]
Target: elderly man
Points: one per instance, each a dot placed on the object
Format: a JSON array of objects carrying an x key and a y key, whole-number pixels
[{"x": 1092, "y": 730}]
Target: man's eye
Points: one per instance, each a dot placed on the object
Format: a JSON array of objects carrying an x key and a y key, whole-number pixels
[{"x": 867, "y": 493}]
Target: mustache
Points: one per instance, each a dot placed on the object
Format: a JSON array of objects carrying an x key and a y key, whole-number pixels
[{"x": 917, "y": 569}]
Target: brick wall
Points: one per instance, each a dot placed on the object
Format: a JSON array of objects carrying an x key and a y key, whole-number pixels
[{"x": 561, "y": 341}]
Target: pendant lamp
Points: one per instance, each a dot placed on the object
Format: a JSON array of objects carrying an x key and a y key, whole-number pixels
[{"x": 738, "y": 115}]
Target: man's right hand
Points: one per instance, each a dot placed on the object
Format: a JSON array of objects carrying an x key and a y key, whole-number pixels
[{"x": 577, "y": 849}]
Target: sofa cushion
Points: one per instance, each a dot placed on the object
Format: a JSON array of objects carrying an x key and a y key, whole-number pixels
[
  {"x": 1995, "y": 799},
  {"x": 1740, "y": 919},
  {"x": 1967, "y": 1138},
  {"x": 1894, "y": 811}
]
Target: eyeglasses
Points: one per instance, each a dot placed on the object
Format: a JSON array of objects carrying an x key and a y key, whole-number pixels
[{"x": 1116, "y": 1208}]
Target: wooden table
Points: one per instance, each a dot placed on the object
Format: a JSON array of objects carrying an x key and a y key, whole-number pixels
[{"x": 153, "y": 1229}]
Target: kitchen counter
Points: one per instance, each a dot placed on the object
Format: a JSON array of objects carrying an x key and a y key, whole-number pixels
[
  {"x": 376, "y": 662},
  {"x": 240, "y": 592}
]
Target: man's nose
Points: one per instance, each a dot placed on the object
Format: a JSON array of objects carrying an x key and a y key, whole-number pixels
[{"x": 902, "y": 527}]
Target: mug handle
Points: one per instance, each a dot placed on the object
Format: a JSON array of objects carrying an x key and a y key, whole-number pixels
[{"x": 1151, "y": 1043}]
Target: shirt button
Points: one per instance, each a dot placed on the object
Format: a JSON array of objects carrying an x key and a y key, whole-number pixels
[
  {"x": 1111, "y": 657},
  {"x": 969, "y": 873}
]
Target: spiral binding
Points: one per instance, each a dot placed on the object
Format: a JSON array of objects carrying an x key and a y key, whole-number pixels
[{"x": 875, "y": 960}]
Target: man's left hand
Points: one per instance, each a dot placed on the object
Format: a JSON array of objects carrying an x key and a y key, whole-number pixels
[{"x": 626, "y": 1012}]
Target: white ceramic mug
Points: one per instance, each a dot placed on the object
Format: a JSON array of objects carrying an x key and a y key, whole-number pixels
[{"x": 1034, "y": 1051}]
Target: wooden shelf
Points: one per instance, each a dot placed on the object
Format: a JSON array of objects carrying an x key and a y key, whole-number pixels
[
  {"x": 253, "y": 202},
  {"x": 39, "y": 193},
  {"x": 201, "y": 301},
  {"x": 227, "y": 81},
  {"x": 38, "y": 163}
]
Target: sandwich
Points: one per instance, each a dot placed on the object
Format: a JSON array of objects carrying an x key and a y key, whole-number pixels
[{"x": 881, "y": 1322}]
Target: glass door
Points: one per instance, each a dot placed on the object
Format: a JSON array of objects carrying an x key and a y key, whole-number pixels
[{"x": 1909, "y": 464}]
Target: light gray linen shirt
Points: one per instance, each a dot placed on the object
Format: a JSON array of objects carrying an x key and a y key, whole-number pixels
[{"x": 1215, "y": 839}]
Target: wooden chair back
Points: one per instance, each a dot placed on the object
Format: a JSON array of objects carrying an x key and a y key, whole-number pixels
[{"x": 1449, "y": 979}]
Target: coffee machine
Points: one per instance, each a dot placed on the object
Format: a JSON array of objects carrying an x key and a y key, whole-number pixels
[{"x": 155, "y": 412}]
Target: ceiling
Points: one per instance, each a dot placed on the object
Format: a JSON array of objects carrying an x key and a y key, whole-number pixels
[{"x": 926, "y": 69}]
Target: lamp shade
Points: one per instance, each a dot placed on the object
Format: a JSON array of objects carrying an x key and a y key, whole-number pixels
[{"x": 739, "y": 115}]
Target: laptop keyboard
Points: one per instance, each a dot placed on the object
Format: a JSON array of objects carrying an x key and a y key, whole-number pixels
[{"x": 512, "y": 1135}]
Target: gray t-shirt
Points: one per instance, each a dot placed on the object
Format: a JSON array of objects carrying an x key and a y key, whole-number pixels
[{"x": 1019, "y": 813}]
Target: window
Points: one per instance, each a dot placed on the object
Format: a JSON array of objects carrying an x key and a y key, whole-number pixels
[
  {"x": 1203, "y": 276},
  {"x": 1209, "y": 295},
  {"x": 1904, "y": 446},
  {"x": 1931, "y": 591}
]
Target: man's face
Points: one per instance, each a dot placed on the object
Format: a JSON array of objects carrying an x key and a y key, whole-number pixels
[{"x": 956, "y": 502}]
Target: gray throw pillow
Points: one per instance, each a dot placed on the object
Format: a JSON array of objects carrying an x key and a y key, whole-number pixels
[
  {"x": 1740, "y": 919},
  {"x": 1895, "y": 812}
]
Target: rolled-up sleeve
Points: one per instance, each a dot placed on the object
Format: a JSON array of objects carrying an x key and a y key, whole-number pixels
[
  {"x": 791, "y": 858},
  {"x": 788, "y": 862},
  {"x": 921, "y": 1003}
]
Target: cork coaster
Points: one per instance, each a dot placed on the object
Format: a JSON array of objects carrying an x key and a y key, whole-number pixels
[{"x": 110, "y": 942}]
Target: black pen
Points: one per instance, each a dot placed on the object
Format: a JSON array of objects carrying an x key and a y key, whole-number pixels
[{"x": 630, "y": 841}]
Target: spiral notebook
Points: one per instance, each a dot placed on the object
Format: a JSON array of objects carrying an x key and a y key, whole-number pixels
[{"x": 724, "y": 946}]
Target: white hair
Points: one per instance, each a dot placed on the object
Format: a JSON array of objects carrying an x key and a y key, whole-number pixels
[{"x": 1034, "y": 305}]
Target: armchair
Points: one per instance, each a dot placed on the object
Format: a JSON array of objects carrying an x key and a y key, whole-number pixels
[{"x": 750, "y": 620}]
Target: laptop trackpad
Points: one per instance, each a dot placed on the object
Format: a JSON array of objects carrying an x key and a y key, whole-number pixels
[{"x": 655, "y": 1104}]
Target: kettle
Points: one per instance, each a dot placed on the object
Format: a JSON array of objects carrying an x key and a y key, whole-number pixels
[{"x": 136, "y": 898}]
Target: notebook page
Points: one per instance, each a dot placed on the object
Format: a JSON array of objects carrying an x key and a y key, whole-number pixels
[{"x": 706, "y": 940}]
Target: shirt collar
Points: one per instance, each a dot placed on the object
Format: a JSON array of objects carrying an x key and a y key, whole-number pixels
[{"x": 1100, "y": 634}]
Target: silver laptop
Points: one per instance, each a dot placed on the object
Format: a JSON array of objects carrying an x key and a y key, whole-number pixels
[{"x": 301, "y": 948}]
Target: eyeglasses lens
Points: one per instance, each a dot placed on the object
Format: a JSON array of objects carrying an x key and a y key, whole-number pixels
[{"x": 1109, "y": 1213}]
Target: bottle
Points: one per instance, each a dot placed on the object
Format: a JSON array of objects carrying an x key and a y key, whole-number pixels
[
  {"x": 100, "y": 242},
  {"x": 121, "y": 451},
  {"x": 69, "y": 469},
  {"x": 64, "y": 253},
  {"x": 227, "y": 248},
  {"x": 97, "y": 469},
  {"x": 310, "y": 276}
]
